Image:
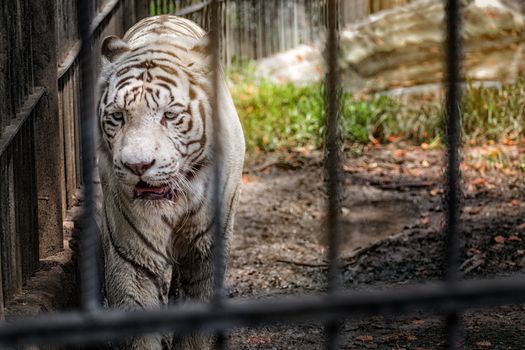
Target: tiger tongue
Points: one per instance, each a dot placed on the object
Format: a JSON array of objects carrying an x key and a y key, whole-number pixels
[{"x": 146, "y": 191}]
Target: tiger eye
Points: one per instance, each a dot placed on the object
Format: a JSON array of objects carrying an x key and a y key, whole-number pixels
[
  {"x": 170, "y": 115},
  {"x": 118, "y": 116}
]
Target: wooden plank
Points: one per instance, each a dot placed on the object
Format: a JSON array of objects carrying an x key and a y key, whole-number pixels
[
  {"x": 192, "y": 8},
  {"x": 12, "y": 242},
  {"x": 73, "y": 171},
  {"x": 6, "y": 137},
  {"x": 68, "y": 61},
  {"x": 33, "y": 217},
  {"x": 130, "y": 17},
  {"x": 25, "y": 203},
  {"x": 69, "y": 139},
  {"x": 60, "y": 94},
  {"x": 78, "y": 150},
  {"x": 2, "y": 312},
  {"x": 49, "y": 138},
  {"x": 4, "y": 226},
  {"x": 17, "y": 78},
  {"x": 105, "y": 13},
  {"x": 4, "y": 91}
]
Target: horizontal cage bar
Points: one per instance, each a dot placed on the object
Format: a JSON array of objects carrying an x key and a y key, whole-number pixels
[{"x": 438, "y": 297}]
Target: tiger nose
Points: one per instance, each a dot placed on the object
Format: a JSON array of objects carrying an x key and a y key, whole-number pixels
[{"x": 139, "y": 168}]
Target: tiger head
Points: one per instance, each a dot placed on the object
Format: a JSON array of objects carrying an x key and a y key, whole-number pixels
[{"x": 153, "y": 116}]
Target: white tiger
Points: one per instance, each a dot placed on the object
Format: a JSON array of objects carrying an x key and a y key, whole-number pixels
[{"x": 156, "y": 125}]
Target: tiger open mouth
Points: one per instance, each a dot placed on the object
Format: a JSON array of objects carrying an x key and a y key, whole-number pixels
[{"x": 143, "y": 190}]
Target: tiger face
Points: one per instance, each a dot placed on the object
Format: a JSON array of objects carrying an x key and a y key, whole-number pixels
[{"x": 153, "y": 117}]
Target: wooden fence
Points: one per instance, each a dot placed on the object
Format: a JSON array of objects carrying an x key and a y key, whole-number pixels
[
  {"x": 39, "y": 124},
  {"x": 253, "y": 29}
]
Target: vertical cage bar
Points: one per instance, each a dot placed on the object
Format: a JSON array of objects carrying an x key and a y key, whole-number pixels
[
  {"x": 218, "y": 254},
  {"x": 90, "y": 286},
  {"x": 452, "y": 173},
  {"x": 332, "y": 160}
]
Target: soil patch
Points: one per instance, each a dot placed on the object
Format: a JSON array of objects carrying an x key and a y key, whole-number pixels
[{"x": 392, "y": 235}]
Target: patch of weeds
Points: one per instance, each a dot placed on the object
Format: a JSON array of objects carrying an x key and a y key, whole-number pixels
[
  {"x": 284, "y": 116},
  {"x": 494, "y": 114}
]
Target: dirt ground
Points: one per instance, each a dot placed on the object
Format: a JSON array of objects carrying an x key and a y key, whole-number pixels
[{"x": 392, "y": 235}]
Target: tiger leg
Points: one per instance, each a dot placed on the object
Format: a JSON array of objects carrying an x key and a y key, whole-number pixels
[
  {"x": 131, "y": 286},
  {"x": 195, "y": 284}
]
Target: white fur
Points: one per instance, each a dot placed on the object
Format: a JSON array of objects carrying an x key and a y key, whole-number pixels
[{"x": 146, "y": 243}]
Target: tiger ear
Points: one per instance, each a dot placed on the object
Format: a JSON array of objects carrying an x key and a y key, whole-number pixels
[
  {"x": 203, "y": 58},
  {"x": 113, "y": 47},
  {"x": 203, "y": 46}
]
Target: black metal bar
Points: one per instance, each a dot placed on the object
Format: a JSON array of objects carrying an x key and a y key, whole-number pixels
[
  {"x": 218, "y": 239},
  {"x": 332, "y": 162},
  {"x": 452, "y": 173},
  {"x": 453, "y": 137},
  {"x": 89, "y": 240},
  {"x": 218, "y": 245},
  {"x": 453, "y": 328},
  {"x": 97, "y": 327}
]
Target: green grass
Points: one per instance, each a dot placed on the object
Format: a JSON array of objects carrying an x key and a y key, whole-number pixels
[
  {"x": 493, "y": 114},
  {"x": 280, "y": 117}
]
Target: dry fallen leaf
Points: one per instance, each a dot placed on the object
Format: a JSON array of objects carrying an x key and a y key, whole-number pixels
[
  {"x": 365, "y": 338},
  {"x": 399, "y": 153},
  {"x": 418, "y": 322},
  {"x": 479, "y": 181},
  {"x": 374, "y": 140},
  {"x": 436, "y": 191},
  {"x": 394, "y": 138},
  {"x": 255, "y": 340},
  {"x": 499, "y": 239},
  {"x": 484, "y": 343},
  {"x": 509, "y": 142},
  {"x": 349, "y": 169},
  {"x": 514, "y": 203},
  {"x": 473, "y": 251},
  {"x": 472, "y": 210},
  {"x": 494, "y": 153}
]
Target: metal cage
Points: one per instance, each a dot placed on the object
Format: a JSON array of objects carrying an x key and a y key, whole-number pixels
[{"x": 451, "y": 296}]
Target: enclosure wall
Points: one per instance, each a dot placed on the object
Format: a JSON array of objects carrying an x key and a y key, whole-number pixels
[{"x": 40, "y": 85}]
